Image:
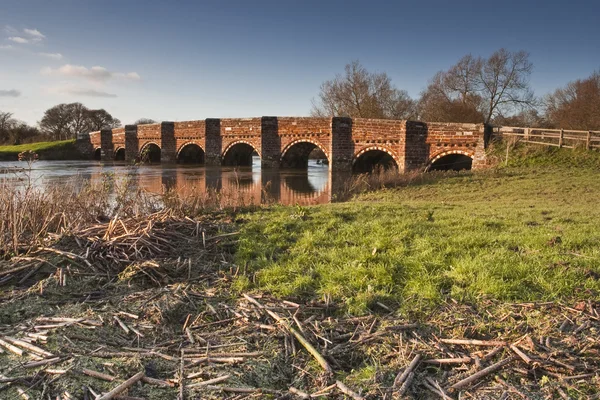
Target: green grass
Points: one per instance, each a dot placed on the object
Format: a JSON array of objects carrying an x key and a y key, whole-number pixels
[
  {"x": 59, "y": 150},
  {"x": 525, "y": 232}
]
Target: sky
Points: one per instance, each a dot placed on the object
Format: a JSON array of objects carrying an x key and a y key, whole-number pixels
[{"x": 184, "y": 60}]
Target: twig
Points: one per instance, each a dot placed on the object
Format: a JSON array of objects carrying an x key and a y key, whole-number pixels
[
  {"x": 347, "y": 391},
  {"x": 482, "y": 373},
  {"x": 474, "y": 342},
  {"x": 401, "y": 377},
  {"x": 123, "y": 386},
  {"x": 210, "y": 381},
  {"x": 302, "y": 341}
]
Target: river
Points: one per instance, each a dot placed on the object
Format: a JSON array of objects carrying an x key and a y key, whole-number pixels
[{"x": 253, "y": 184}]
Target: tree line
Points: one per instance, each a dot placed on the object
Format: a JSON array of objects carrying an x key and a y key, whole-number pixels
[
  {"x": 493, "y": 90},
  {"x": 61, "y": 122}
]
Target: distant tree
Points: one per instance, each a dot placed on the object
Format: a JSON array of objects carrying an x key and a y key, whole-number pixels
[
  {"x": 23, "y": 133},
  {"x": 65, "y": 121},
  {"x": 6, "y": 124},
  {"x": 527, "y": 118},
  {"x": 478, "y": 89},
  {"x": 503, "y": 83},
  {"x": 144, "y": 121},
  {"x": 360, "y": 93},
  {"x": 13, "y": 131},
  {"x": 577, "y": 105},
  {"x": 57, "y": 122},
  {"x": 101, "y": 119}
]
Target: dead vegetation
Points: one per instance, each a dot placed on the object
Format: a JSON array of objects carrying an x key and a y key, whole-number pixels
[
  {"x": 132, "y": 302},
  {"x": 144, "y": 308}
]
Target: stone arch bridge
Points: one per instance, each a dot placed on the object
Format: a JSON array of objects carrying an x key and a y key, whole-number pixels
[{"x": 347, "y": 143}]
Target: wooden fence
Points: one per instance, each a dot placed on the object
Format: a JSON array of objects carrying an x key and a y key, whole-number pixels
[{"x": 553, "y": 137}]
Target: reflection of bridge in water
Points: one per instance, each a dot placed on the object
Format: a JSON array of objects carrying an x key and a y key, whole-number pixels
[
  {"x": 237, "y": 186},
  {"x": 243, "y": 186}
]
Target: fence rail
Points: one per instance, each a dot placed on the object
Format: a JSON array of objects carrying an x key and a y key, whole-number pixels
[{"x": 553, "y": 137}]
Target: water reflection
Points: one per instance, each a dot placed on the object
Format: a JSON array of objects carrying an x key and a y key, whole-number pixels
[{"x": 251, "y": 185}]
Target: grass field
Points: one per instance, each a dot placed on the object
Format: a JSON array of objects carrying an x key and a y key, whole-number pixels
[
  {"x": 59, "y": 150},
  {"x": 528, "y": 231}
]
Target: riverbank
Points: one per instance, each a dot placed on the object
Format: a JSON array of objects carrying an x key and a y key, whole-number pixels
[
  {"x": 489, "y": 280},
  {"x": 58, "y": 150}
]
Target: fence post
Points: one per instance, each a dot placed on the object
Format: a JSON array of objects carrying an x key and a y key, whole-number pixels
[
  {"x": 526, "y": 134},
  {"x": 587, "y": 141},
  {"x": 560, "y": 139}
]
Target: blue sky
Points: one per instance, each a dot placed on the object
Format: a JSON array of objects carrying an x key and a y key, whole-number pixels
[{"x": 181, "y": 60}]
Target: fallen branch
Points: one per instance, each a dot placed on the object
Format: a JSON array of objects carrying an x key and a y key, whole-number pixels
[
  {"x": 482, "y": 373},
  {"x": 347, "y": 391},
  {"x": 123, "y": 386}
]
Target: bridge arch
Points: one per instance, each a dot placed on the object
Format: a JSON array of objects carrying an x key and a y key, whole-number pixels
[
  {"x": 190, "y": 153},
  {"x": 97, "y": 154},
  {"x": 150, "y": 153},
  {"x": 452, "y": 160},
  {"x": 369, "y": 158},
  {"x": 120, "y": 154},
  {"x": 239, "y": 153},
  {"x": 297, "y": 153}
]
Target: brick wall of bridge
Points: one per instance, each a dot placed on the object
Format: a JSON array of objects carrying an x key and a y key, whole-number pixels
[{"x": 412, "y": 144}]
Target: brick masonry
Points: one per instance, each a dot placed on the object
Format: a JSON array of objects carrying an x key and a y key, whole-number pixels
[{"x": 412, "y": 144}]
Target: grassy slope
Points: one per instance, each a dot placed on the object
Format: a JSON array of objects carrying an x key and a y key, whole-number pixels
[
  {"x": 525, "y": 232},
  {"x": 59, "y": 150}
]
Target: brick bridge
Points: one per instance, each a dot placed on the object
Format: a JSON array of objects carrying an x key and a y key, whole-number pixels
[{"x": 348, "y": 144}]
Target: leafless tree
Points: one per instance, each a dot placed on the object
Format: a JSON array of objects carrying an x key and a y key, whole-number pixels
[
  {"x": 65, "y": 121},
  {"x": 13, "y": 131},
  {"x": 360, "y": 93},
  {"x": 577, "y": 105},
  {"x": 478, "y": 89},
  {"x": 503, "y": 83},
  {"x": 144, "y": 121},
  {"x": 101, "y": 119}
]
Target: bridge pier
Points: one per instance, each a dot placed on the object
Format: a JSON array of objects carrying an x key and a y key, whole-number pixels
[
  {"x": 132, "y": 151},
  {"x": 341, "y": 146},
  {"x": 106, "y": 145},
  {"x": 270, "y": 143},
  {"x": 168, "y": 150},
  {"x": 213, "y": 142}
]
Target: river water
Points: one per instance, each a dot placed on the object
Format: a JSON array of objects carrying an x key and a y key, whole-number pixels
[{"x": 250, "y": 184}]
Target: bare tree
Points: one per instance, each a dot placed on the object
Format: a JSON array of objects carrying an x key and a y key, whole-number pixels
[
  {"x": 6, "y": 124},
  {"x": 101, "y": 119},
  {"x": 360, "y": 93},
  {"x": 13, "y": 131},
  {"x": 503, "y": 83},
  {"x": 577, "y": 105},
  {"x": 65, "y": 121},
  {"x": 144, "y": 121},
  {"x": 477, "y": 89},
  {"x": 56, "y": 122}
]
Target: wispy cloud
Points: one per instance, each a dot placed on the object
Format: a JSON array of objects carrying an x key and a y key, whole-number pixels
[
  {"x": 75, "y": 90},
  {"x": 90, "y": 93},
  {"x": 97, "y": 73},
  {"x": 55, "y": 56},
  {"x": 18, "y": 39},
  {"x": 10, "y": 30},
  {"x": 25, "y": 36},
  {"x": 6, "y": 47},
  {"x": 34, "y": 34},
  {"x": 10, "y": 93}
]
